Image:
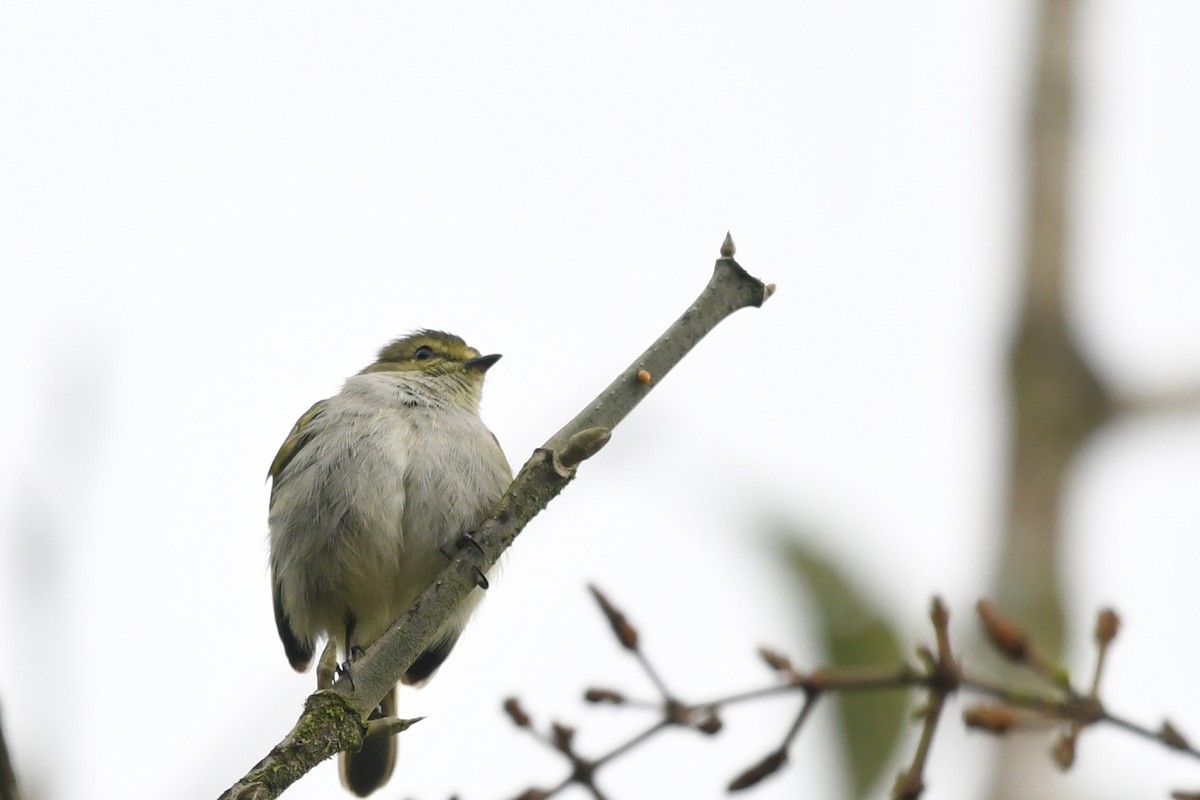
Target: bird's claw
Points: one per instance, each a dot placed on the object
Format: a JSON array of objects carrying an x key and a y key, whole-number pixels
[{"x": 468, "y": 540}]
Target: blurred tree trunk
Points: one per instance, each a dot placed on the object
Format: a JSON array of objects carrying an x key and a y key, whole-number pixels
[{"x": 1057, "y": 400}]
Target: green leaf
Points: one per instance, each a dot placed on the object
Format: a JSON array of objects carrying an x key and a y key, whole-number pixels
[{"x": 854, "y": 632}]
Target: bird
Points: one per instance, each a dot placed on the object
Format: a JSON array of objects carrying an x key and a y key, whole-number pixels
[{"x": 368, "y": 491}]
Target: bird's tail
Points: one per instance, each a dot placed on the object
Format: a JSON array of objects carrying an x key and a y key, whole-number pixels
[{"x": 368, "y": 769}]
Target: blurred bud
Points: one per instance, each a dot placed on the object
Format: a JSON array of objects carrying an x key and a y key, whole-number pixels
[
  {"x": 1171, "y": 736},
  {"x": 768, "y": 766},
  {"x": 993, "y": 719},
  {"x": 610, "y": 696},
  {"x": 776, "y": 660},
  {"x": 710, "y": 724},
  {"x": 1064, "y": 751},
  {"x": 563, "y": 736},
  {"x": 1107, "y": 625},
  {"x": 626, "y": 634},
  {"x": 938, "y": 613},
  {"x": 909, "y": 786},
  {"x": 1007, "y": 636},
  {"x": 925, "y": 656},
  {"x": 512, "y": 707},
  {"x": 1061, "y": 676}
]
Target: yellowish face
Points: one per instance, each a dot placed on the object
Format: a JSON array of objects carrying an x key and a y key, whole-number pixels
[{"x": 429, "y": 352}]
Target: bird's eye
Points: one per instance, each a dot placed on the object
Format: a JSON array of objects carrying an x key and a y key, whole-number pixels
[{"x": 424, "y": 353}]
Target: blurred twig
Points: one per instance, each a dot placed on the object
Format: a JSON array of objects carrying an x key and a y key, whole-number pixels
[
  {"x": 1010, "y": 707},
  {"x": 1178, "y": 400},
  {"x": 8, "y": 777}
]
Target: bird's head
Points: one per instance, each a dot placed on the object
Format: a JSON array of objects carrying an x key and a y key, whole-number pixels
[{"x": 444, "y": 358}]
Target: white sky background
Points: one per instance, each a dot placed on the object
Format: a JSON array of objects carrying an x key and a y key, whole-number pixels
[{"x": 211, "y": 214}]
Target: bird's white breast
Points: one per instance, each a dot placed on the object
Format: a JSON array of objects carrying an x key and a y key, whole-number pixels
[{"x": 391, "y": 474}]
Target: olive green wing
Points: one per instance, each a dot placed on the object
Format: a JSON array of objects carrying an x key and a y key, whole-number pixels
[
  {"x": 301, "y": 433},
  {"x": 299, "y": 650}
]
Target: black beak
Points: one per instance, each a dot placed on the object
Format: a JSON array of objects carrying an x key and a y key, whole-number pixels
[{"x": 481, "y": 363}]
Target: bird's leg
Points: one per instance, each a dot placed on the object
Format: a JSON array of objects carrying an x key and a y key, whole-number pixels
[
  {"x": 353, "y": 651},
  {"x": 327, "y": 666}
]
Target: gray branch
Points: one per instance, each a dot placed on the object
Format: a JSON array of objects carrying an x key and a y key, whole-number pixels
[{"x": 333, "y": 719}]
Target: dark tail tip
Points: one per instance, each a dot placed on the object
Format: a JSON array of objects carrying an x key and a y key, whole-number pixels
[{"x": 368, "y": 769}]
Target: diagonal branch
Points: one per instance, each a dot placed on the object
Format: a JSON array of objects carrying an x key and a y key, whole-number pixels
[{"x": 333, "y": 719}]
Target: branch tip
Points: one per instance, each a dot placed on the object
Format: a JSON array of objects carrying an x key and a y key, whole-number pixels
[{"x": 727, "y": 248}]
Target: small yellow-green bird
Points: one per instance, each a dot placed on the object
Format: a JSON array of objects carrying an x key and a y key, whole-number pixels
[{"x": 368, "y": 492}]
